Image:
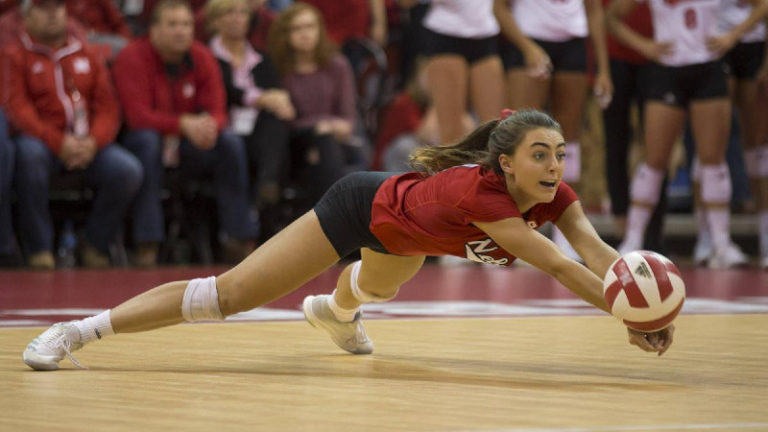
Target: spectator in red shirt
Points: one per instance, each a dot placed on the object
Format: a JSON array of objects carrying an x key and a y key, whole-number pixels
[
  {"x": 173, "y": 97},
  {"x": 61, "y": 101}
]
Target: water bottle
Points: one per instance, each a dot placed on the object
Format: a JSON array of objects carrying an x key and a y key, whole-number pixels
[{"x": 65, "y": 255}]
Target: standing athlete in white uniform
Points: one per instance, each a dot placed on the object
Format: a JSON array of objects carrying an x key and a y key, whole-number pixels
[
  {"x": 463, "y": 67},
  {"x": 745, "y": 61},
  {"x": 689, "y": 78},
  {"x": 547, "y": 66}
]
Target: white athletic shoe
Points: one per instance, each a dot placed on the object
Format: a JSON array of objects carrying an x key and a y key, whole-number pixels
[
  {"x": 47, "y": 350},
  {"x": 729, "y": 257},
  {"x": 349, "y": 336},
  {"x": 702, "y": 251}
]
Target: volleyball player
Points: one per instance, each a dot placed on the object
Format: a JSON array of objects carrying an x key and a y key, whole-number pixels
[
  {"x": 479, "y": 199},
  {"x": 688, "y": 79}
]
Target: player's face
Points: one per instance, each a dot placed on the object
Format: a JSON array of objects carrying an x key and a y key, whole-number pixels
[{"x": 537, "y": 165}]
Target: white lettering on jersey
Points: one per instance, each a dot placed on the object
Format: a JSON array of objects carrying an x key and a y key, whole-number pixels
[{"x": 474, "y": 251}]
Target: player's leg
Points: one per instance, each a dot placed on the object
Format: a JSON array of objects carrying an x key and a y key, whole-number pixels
[
  {"x": 285, "y": 262},
  {"x": 447, "y": 77},
  {"x": 486, "y": 79},
  {"x": 568, "y": 103},
  {"x": 375, "y": 278},
  {"x": 710, "y": 124},
  {"x": 663, "y": 125},
  {"x": 752, "y": 108}
]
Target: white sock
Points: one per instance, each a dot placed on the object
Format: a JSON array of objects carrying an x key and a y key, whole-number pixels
[
  {"x": 719, "y": 221},
  {"x": 637, "y": 221},
  {"x": 701, "y": 221},
  {"x": 341, "y": 314},
  {"x": 763, "y": 227},
  {"x": 95, "y": 327}
]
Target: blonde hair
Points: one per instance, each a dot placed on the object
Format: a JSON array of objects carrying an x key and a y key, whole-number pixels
[{"x": 215, "y": 9}]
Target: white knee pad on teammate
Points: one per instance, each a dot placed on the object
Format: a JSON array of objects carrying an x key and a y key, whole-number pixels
[
  {"x": 572, "y": 172},
  {"x": 360, "y": 295},
  {"x": 716, "y": 184},
  {"x": 201, "y": 301},
  {"x": 696, "y": 170},
  {"x": 646, "y": 185},
  {"x": 757, "y": 162}
]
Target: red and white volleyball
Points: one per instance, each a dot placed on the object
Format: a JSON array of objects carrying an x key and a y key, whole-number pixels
[{"x": 644, "y": 290}]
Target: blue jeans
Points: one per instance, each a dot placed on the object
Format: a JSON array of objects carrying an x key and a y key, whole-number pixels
[
  {"x": 114, "y": 174},
  {"x": 6, "y": 178},
  {"x": 226, "y": 162}
]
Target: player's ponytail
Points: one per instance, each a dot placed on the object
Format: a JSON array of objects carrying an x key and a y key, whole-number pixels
[
  {"x": 472, "y": 149},
  {"x": 485, "y": 144}
]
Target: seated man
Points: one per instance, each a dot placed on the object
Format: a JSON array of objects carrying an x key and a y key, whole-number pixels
[
  {"x": 60, "y": 100},
  {"x": 173, "y": 98}
]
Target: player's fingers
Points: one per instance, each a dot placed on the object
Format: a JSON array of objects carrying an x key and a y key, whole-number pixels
[{"x": 641, "y": 342}]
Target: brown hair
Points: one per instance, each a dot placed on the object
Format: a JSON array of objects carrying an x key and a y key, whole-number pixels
[
  {"x": 485, "y": 144},
  {"x": 279, "y": 43},
  {"x": 162, "y": 5}
]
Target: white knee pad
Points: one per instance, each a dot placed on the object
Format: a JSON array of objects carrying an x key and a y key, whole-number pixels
[
  {"x": 572, "y": 162},
  {"x": 696, "y": 170},
  {"x": 361, "y": 295},
  {"x": 756, "y": 160},
  {"x": 201, "y": 301},
  {"x": 646, "y": 185},
  {"x": 715, "y": 184}
]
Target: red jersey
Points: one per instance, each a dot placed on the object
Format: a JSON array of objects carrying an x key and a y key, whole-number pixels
[{"x": 416, "y": 215}]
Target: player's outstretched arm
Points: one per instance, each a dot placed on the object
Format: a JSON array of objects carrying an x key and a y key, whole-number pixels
[
  {"x": 596, "y": 253},
  {"x": 517, "y": 238}
]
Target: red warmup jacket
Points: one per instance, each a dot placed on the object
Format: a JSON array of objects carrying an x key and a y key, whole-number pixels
[
  {"x": 38, "y": 84},
  {"x": 153, "y": 99}
]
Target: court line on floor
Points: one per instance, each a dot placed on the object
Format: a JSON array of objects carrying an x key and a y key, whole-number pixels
[{"x": 707, "y": 426}]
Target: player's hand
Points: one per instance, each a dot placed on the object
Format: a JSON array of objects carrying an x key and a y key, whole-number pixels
[
  {"x": 537, "y": 62},
  {"x": 721, "y": 44},
  {"x": 656, "y": 50},
  {"x": 603, "y": 90},
  {"x": 658, "y": 341}
]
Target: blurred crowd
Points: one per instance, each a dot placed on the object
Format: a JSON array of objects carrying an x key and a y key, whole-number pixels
[{"x": 146, "y": 132}]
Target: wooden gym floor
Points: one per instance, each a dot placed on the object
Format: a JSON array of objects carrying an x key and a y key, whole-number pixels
[{"x": 465, "y": 348}]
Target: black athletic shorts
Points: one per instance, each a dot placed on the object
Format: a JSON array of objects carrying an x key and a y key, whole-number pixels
[
  {"x": 683, "y": 84},
  {"x": 345, "y": 212},
  {"x": 743, "y": 60},
  {"x": 567, "y": 56},
  {"x": 473, "y": 50}
]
